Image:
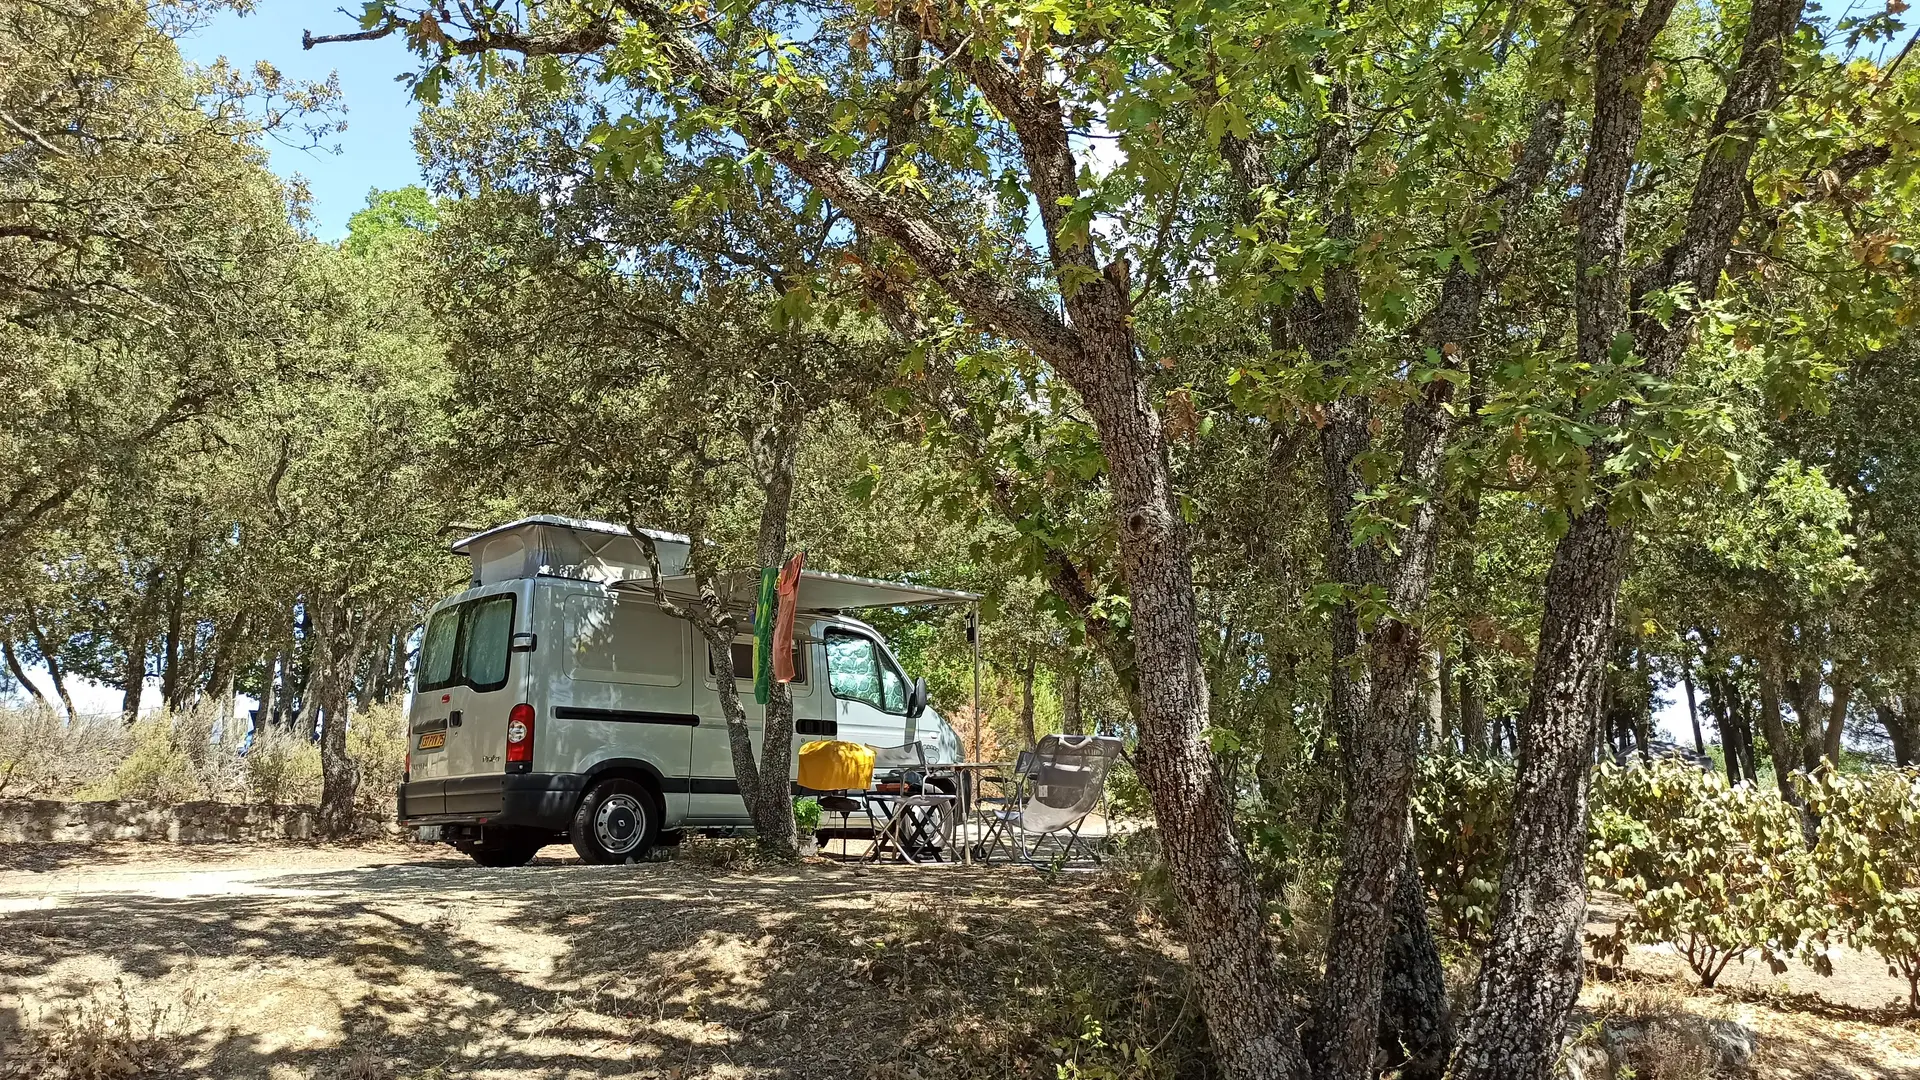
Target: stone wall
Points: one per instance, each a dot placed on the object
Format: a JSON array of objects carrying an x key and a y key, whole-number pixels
[{"x": 51, "y": 820}]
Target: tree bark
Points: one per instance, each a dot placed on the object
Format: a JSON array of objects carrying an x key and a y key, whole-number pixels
[
  {"x": 1473, "y": 708},
  {"x": 1780, "y": 745},
  {"x": 220, "y": 678},
  {"x": 1837, "y": 714},
  {"x": 1693, "y": 709},
  {"x": 335, "y": 639},
  {"x": 49, "y": 657},
  {"x": 170, "y": 673},
  {"x": 1028, "y": 738},
  {"x": 1071, "y": 720},
  {"x": 775, "y": 830},
  {"x": 1899, "y": 730},
  {"x": 1809, "y": 726},
  {"x": 1725, "y": 720},
  {"x": 1531, "y": 974},
  {"x": 1642, "y": 705},
  {"x": 1415, "y": 1025},
  {"x": 133, "y": 678},
  {"x": 20, "y": 674}
]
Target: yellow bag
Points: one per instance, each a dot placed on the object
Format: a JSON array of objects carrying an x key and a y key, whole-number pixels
[{"x": 829, "y": 765}]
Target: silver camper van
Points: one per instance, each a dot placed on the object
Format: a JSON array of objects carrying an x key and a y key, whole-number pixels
[{"x": 554, "y": 699}]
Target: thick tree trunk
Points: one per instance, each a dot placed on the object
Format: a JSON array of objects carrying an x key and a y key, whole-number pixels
[
  {"x": 1779, "y": 742},
  {"x": 1899, "y": 731},
  {"x": 19, "y": 674},
  {"x": 774, "y": 828},
  {"x": 335, "y": 642},
  {"x": 1810, "y": 718},
  {"x": 1473, "y": 708},
  {"x": 1531, "y": 972},
  {"x": 133, "y": 678},
  {"x": 1415, "y": 1026},
  {"x": 1248, "y": 1016},
  {"x": 171, "y": 682},
  {"x": 377, "y": 686},
  {"x": 1837, "y": 715},
  {"x": 1780, "y": 745}
]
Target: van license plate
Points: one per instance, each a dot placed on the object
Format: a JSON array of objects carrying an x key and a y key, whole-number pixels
[{"x": 433, "y": 740}]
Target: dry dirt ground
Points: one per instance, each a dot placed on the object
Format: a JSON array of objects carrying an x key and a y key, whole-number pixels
[{"x": 399, "y": 962}]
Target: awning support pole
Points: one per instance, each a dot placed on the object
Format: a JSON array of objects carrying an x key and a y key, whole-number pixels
[{"x": 973, "y": 631}]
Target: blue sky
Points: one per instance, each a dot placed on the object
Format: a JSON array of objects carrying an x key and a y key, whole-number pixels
[{"x": 376, "y": 150}]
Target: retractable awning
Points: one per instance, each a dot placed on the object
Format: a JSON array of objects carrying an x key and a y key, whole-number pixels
[{"x": 819, "y": 591}]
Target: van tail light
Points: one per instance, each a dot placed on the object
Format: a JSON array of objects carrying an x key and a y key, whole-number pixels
[
  {"x": 520, "y": 737},
  {"x": 406, "y": 767}
]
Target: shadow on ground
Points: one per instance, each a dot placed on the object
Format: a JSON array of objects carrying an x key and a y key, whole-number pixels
[{"x": 443, "y": 969}]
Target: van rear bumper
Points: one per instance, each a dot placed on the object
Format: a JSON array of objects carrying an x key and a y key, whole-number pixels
[{"x": 531, "y": 800}]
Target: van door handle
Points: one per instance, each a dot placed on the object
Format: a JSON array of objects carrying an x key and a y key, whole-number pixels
[{"x": 453, "y": 718}]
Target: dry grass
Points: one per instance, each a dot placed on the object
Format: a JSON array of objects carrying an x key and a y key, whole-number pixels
[
  {"x": 110, "y": 1035},
  {"x": 171, "y": 758}
]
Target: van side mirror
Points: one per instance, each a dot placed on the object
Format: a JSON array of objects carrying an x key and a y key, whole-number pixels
[{"x": 917, "y": 698}]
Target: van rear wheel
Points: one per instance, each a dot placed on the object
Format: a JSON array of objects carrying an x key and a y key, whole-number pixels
[{"x": 614, "y": 823}]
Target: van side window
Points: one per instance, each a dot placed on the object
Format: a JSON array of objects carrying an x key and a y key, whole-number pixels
[
  {"x": 853, "y": 669},
  {"x": 857, "y": 671},
  {"x": 895, "y": 686},
  {"x": 489, "y": 627},
  {"x": 436, "y": 650},
  {"x": 743, "y": 662}
]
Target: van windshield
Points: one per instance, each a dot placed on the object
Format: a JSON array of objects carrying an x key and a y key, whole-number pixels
[{"x": 467, "y": 644}]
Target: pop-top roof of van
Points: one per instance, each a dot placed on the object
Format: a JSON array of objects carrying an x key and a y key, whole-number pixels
[
  {"x": 463, "y": 547},
  {"x": 820, "y": 591}
]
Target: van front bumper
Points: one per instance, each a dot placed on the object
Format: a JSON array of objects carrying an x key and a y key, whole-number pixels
[{"x": 542, "y": 801}]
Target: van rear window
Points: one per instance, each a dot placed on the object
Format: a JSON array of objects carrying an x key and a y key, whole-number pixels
[{"x": 467, "y": 645}]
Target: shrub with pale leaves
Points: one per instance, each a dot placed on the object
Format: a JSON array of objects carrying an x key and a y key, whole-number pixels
[
  {"x": 1868, "y": 856},
  {"x": 1717, "y": 872}
]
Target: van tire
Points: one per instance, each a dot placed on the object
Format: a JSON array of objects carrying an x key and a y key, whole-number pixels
[{"x": 617, "y": 822}]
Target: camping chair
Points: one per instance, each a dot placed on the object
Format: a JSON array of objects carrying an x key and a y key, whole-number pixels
[
  {"x": 909, "y": 820},
  {"x": 1053, "y": 797}
]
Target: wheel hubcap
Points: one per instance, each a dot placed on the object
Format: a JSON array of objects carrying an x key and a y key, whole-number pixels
[{"x": 619, "y": 823}]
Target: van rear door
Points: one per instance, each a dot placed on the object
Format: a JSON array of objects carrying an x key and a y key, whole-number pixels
[
  {"x": 478, "y": 705},
  {"x": 459, "y": 715}
]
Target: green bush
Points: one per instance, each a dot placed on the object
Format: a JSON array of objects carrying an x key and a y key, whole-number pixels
[
  {"x": 282, "y": 769},
  {"x": 1716, "y": 871},
  {"x": 156, "y": 770},
  {"x": 806, "y": 815},
  {"x": 1460, "y": 811},
  {"x": 377, "y": 744},
  {"x": 1868, "y": 858}
]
